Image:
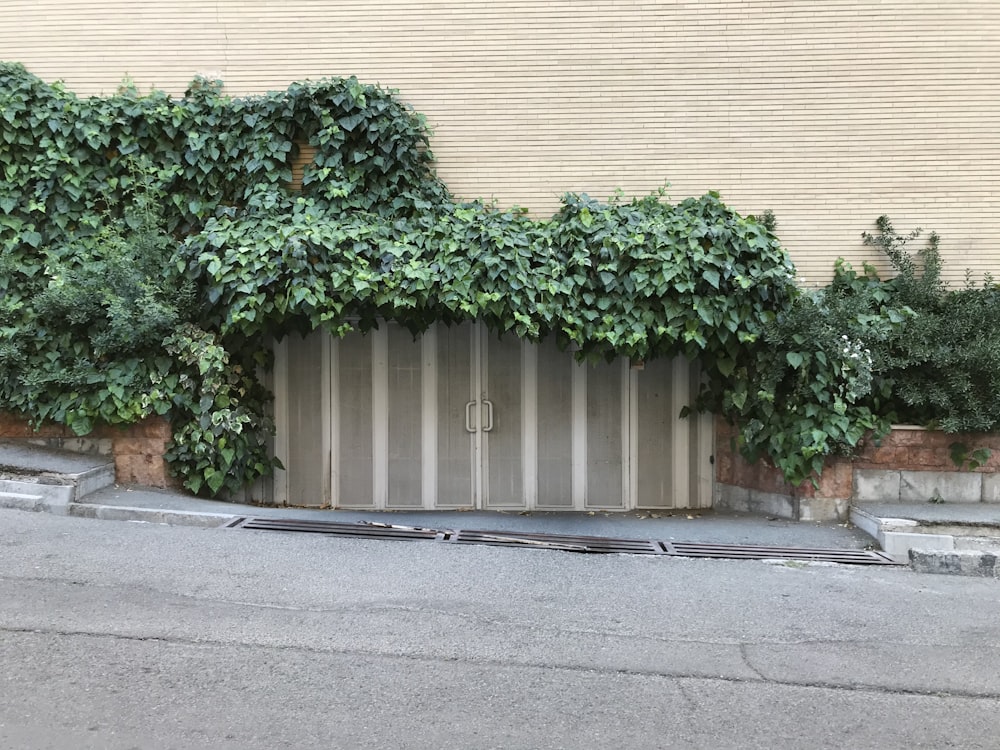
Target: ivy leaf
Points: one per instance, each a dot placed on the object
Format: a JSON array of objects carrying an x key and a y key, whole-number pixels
[
  {"x": 725, "y": 366},
  {"x": 795, "y": 359},
  {"x": 350, "y": 122}
]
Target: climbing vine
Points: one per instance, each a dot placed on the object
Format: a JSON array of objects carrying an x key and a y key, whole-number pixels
[{"x": 152, "y": 247}]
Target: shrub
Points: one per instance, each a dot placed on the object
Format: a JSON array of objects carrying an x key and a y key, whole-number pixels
[
  {"x": 847, "y": 361},
  {"x": 809, "y": 392},
  {"x": 942, "y": 368}
]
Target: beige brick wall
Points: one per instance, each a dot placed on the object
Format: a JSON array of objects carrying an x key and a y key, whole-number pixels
[{"x": 828, "y": 113}]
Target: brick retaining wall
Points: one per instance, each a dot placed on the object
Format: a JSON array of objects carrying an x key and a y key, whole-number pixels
[
  {"x": 137, "y": 449},
  {"x": 912, "y": 464}
]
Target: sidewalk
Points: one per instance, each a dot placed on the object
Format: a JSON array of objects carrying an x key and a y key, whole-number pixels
[
  {"x": 721, "y": 527},
  {"x": 42, "y": 479},
  {"x": 37, "y": 478}
]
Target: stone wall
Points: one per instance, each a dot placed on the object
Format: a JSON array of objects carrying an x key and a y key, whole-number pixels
[
  {"x": 911, "y": 464},
  {"x": 914, "y": 465},
  {"x": 137, "y": 450}
]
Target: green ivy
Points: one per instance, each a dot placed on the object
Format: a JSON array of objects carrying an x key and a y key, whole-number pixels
[
  {"x": 110, "y": 313},
  {"x": 809, "y": 393},
  {"x": 641, "y": 279}
]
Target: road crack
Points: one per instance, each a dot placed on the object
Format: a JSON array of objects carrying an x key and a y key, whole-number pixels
[{"x": 758, "y": 679}]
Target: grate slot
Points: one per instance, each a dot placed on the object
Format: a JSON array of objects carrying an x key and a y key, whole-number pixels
[
  {"x": 570, "y": 543},
  {"x": 566, "y": 542},
  {"x": 748, "y": 552},
  {"x": 338, "y": 529}
]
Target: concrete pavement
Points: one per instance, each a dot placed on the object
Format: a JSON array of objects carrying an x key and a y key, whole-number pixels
[
  {"x": 953, "y": 538},
  {"x": 137, "y": 635}
]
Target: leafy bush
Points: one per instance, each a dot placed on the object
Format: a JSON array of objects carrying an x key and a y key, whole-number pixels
[
  {"x": 151, "y": 247},
  {"x": 221, "y": 440},
  {"x": 846, "y": 362},
  {"x": 84, "y": 319},
  {"x": 808, "y": 394},
  {"x": 942, "y": 368},
  {"x": 103, "y": 317}
]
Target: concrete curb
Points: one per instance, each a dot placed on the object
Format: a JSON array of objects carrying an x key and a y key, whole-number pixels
[
  {"x": 59, "y": 507},
  {"x": 92, "y": 480},
  {"x": 55, "y": 499},
  {"x": 151, "y": 515},
  {"x": 53, "y": 493},
  {"x": 956, "y": 563}
]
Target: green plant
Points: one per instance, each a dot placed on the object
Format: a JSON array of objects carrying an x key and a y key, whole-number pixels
[
  {"x": 151, "y": 248},
  {"x": 222, "y": 439},
  {"x": 942, "y": 367},
  {"x": 968, "y": 460},
  {"x": 106, "y": 338},
  {"x": 846, "y": 362},
  {"x": 807, "y": 394},
  {"x": 373, "y": 235},
  {"x": 82, "y": 320}
]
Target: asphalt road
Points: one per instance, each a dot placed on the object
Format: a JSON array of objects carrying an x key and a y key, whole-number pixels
[{"x": 122, "y": 635}]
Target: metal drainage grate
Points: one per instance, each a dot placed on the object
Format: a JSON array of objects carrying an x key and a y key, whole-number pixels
[
  {"x": 748, "y": 552},
  {"x": 567, "y": 542},
  {"x": 363, "y": 531}
]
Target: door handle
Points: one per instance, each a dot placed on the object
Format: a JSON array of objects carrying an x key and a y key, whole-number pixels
[
  {"x": 489, "y": 415},
  {"x": 468, "y": 417}
]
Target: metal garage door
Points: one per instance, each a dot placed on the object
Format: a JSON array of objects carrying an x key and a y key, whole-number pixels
[{"x": 459, "y": 417}]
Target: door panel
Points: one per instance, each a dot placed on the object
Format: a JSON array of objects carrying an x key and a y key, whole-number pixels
[
  {"x": 673, "y": 464},
  {"x": 462, "y": 418},
  {"x": 656, "y": 415},
  {"x": 405, "y": 390},
  {"x": 354, "y": 465},
  {"x": 554, "y": 409},
  {"x": 605, "y": 452},
  {"x": 306, "y": 456},
  {"x": 502, "y": 423},
  {"x": 455, "y": 389}
]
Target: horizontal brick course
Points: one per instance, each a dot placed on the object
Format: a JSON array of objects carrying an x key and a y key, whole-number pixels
[
  {"x": 921, "y": 454},
  {"x": 924, "y": 450}
]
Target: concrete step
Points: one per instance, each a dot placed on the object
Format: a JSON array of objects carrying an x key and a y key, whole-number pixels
[
  {"x": 55, "y": 475},
  {"x": 960, "y": 562},
  {"x": 960, "y": 538},
  {"x": 981, "y": 543}
]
